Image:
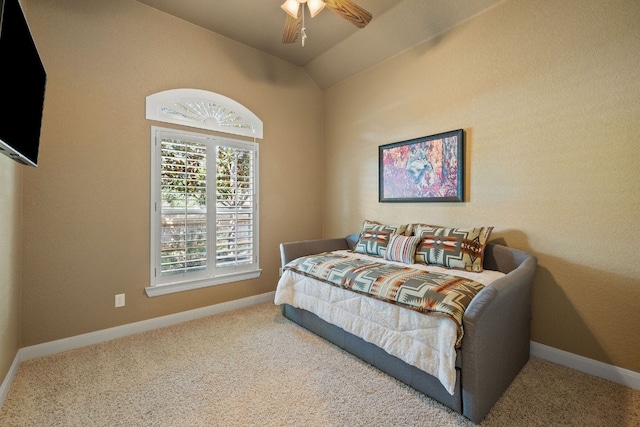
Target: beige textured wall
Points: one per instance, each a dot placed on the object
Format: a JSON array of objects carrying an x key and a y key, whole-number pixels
[
  {"x": 86, "y": 208},
  {"x": 10, "y": 243},
  {"x": 548, "y": 93}
]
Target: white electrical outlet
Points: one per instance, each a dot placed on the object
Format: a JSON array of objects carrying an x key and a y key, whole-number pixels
[{"x": 120, "y": 300}]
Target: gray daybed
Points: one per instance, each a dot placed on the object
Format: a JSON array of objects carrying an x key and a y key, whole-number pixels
[{"x": 495, "y": 345}]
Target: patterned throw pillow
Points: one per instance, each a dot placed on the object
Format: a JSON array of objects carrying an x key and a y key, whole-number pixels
[
  {"x": 402, "y": 249},
  {"x": 374, "y": 238},
  {"x": 457, "y": 248}
]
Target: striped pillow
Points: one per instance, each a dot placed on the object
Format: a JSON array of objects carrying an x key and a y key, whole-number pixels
[{"x": 402, "y": 248}]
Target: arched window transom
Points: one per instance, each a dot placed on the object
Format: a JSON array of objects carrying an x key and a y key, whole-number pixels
[{"x": 204, "y": 110}]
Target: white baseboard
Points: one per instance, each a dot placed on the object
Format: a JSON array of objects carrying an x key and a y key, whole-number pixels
[
  {"x": 83, "y": 340},
  {"x": 622, "y": 376},
  {"x": 8, "y": 380}
]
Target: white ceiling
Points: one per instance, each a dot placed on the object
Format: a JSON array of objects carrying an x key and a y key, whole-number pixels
[{"x": 334, "y": 49}]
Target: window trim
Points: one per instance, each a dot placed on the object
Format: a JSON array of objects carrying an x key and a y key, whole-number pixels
[{"x": 156, "y": 288}]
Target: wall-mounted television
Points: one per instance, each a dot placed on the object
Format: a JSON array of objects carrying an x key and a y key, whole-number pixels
[{"x": 22, "y": 85}]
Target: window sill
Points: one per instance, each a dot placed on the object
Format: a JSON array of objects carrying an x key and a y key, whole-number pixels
[{"x": 154, "y": 291}]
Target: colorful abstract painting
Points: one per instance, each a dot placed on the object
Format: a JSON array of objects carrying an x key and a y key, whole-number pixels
[{"x": 427, "y": 169}]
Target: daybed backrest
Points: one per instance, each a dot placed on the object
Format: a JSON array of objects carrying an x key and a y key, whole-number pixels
[{"x": 496, "y": 256}]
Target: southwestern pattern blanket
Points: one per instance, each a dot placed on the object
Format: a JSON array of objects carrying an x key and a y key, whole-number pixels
[{"x": 420, "y": 290}]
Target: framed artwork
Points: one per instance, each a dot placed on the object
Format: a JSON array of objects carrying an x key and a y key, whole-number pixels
[{"x": 427, "y": 169}]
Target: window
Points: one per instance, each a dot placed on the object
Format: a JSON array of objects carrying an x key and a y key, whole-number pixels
[{"x": 204, "y": 216}]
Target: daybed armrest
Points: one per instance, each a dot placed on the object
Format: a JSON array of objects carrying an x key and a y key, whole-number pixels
[
  {"x": 496, "y": 339},
  {"x": 292, "y": 250}
]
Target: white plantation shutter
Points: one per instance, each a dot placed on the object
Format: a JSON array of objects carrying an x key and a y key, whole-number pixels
[
  {"x": 183, "y": 212},
  {"x": 204, "y": 211},
  {"x": 235, "y": 215}
]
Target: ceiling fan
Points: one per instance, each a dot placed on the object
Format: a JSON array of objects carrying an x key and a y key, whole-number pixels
[{"x": 294, "y": 22}]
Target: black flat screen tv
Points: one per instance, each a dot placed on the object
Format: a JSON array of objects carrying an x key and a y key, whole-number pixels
[{"x": 22, "y": 86}]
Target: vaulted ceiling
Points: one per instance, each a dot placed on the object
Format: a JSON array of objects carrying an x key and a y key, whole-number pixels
[{"x": 334, "y": 49}]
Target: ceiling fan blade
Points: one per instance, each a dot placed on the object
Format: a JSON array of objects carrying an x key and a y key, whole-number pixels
[
  {"x": 291, "y": 28},
  {"x": 350, "y": 11}
]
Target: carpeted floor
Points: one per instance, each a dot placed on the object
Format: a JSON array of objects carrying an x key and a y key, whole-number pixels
[{"x": 252, "y": 367}]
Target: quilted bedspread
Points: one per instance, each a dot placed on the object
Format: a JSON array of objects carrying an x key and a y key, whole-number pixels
[
  {"x": 431, "y": 292},
  {"x": 424, "y": 341}
]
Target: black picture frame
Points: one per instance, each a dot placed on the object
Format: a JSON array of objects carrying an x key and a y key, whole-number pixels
[{"x": 426, "y": 169}]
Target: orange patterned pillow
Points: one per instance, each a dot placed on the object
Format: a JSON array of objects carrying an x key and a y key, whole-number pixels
[
  {"x": 374, "y": 238},
  {"x": 457, "y": 248}
]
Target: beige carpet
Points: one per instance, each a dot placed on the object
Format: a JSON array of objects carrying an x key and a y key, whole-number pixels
[{"x": 252, "y": 367}]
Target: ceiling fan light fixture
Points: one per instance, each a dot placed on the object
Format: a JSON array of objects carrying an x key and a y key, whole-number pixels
[
  {"x": 315, "y": 6},
  {"x": 294, "y": 22},
  {"x": 292, "y": 7}
]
